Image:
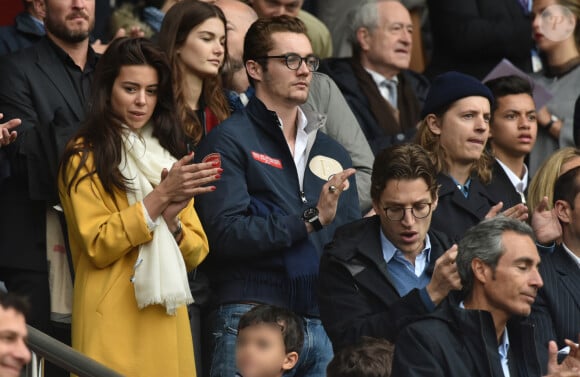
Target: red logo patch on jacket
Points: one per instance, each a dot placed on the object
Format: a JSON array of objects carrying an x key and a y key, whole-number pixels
[{"x": 265, "y": 159}]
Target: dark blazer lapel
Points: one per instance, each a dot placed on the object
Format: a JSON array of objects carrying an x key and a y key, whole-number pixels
[
  {"x": 476, "y": 204},
  {"x": 568, "y": 273},
  {"x": 53, "y": 68}
]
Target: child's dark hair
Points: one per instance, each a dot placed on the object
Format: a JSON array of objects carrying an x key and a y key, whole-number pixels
[
  {"x": 289, "y": 323},
  {"x": 369, "y": 357}
]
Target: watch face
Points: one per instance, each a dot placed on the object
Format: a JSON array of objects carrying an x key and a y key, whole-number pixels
[{"x": 310, "y": 213}]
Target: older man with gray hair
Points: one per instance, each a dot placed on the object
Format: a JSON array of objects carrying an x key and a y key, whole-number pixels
[
  {"x": 483, "y": 332},
  {"x": 384, "y": 95}
]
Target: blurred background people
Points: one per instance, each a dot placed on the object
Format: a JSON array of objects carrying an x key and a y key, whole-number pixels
[
  {"x": 28, "y": 28},
  {"x": 382, "y": 92},
  {"x": 561, "y": 75}
]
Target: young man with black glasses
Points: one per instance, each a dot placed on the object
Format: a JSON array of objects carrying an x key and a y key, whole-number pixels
[
  {"x": 380, "y": 270},
  {"x": 284, "y": 189}
]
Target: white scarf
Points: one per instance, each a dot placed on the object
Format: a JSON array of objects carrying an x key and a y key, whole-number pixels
[{"x": 160, "y": 275}]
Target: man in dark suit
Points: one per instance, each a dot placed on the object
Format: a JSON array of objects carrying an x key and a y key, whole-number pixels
[
  {"x": 385, "y": 96},
  {"x": 381, "y": 270},
  {"x": 556, "y": 311},
  {"x": 513, "y": 129},
  {"x": 47, "y": 87}
]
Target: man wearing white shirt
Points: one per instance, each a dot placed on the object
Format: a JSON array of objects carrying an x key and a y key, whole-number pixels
[
  {"x": 556, "y": 311},
  {"x": 513, "y": 130}
]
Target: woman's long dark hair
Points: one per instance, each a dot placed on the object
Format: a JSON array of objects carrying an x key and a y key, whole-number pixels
[
  {"x": 102, "y": 129},
  {"x": 177, "y": 24}
]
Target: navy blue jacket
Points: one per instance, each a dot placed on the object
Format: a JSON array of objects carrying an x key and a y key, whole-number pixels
[
  {"x": 253, "y": 218},
  {"x": 25, "y": 32},
  {"x": 455, "y": 214}
]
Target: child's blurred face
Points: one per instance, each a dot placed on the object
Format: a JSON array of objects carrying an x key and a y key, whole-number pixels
[{"x": 260, "y": 351}]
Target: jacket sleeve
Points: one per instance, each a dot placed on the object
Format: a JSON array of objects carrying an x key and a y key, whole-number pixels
[
  {"x": 342, "y": 126},
  {"x": 418, "y": 354},
  {"x": 194, "y": 245},
  {"x": 105, "y": 233},
  {"x": 347, "y": 311},
  {"x": 232, "y": 231},
  {"x": 541, "y": 315}
]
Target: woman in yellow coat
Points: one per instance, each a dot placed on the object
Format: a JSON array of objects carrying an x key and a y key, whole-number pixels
[{"x": 127, "y": 193}]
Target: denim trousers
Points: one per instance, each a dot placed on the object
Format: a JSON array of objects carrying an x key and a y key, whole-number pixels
[{"x": 221, "y": 332}]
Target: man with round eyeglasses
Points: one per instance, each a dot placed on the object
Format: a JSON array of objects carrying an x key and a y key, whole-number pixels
[
  {"x": 284, "y": 189},
  {"x": 380, "y": 271}
]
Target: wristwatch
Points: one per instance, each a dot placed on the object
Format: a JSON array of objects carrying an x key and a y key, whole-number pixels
[
  {"x": 549, "y": 125},
  {"x": 310, "y": 215}
]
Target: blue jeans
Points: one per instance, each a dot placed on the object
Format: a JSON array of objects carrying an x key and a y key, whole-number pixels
[{"x": 221, "y": 331}]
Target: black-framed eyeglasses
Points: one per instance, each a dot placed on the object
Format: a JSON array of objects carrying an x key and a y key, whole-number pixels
[
  {"x": 294, "y": 61},
  {"x": 418, "y": 210}
]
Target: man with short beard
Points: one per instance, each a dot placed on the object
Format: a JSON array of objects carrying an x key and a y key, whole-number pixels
[{"x": 47, "y": 87}]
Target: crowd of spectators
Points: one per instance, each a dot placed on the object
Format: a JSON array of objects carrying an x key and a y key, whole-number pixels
[{"x": 270, "y": 188}]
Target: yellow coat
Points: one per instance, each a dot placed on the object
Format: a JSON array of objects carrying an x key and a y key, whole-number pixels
[{"x": 104, "y": 234}]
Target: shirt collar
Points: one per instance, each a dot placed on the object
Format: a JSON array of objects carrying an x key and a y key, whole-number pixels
[
  {"x": 463, "y": 188},
  {"x": 65, "y": 57},
  {"x": 519, "y": 184},
  {"x": 301, "y": 120},
  {"x": 389, "y": 250},
  {"x": 574, "y": 257},
  {"x": 378, "y": 78}
]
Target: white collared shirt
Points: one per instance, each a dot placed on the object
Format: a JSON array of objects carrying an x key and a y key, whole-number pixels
[
  {"x": 300, "y": 145},
  {"x": 520, "y": 185},
  {"x": 574, "y": 257},
  {"x": 382, "y": 83}
]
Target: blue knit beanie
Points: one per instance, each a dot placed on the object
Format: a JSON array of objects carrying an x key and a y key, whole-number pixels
[{"x": 450, "y": 87}]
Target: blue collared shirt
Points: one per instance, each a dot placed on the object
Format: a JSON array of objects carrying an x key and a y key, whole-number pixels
[
  {"x": 463, "y": 188},
  {"x": 406, "y": 276},
  {"x": 502, "y": 349}
]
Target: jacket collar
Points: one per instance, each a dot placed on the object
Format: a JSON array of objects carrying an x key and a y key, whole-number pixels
[
  {"x": 366, "y": 243},
  {"x": 26, "y": 24},
  {"x": 48, "y": 60},
  {"x": 475, "y": 207}
]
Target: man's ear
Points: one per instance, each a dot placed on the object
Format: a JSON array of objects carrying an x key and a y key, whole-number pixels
[
  {"x": 481, "y": 271},
  {"x": 433, "y": 123},
  {"x": 254, "y": 70},
  {"x": 562, "y": 210},
  {"x": 434, "y": 203},
  {"x": 290, "y": 361},
  {"x": 362, "y": 37}
]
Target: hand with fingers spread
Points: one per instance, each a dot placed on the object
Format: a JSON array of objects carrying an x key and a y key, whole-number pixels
[
  {"x": 329, "y": 195},
  {"x": 518, "y": 212},
  {"x": 545, "y": 223},
  {"x": 7, "y": 135},
  {"x": 445, "y": 277},
  {"x": 178, "y": 185}
]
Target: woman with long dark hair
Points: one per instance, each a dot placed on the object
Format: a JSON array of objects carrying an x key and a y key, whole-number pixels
[
  {"x": 193, "y": 35},
  {"x": 127, "y": 186}
]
